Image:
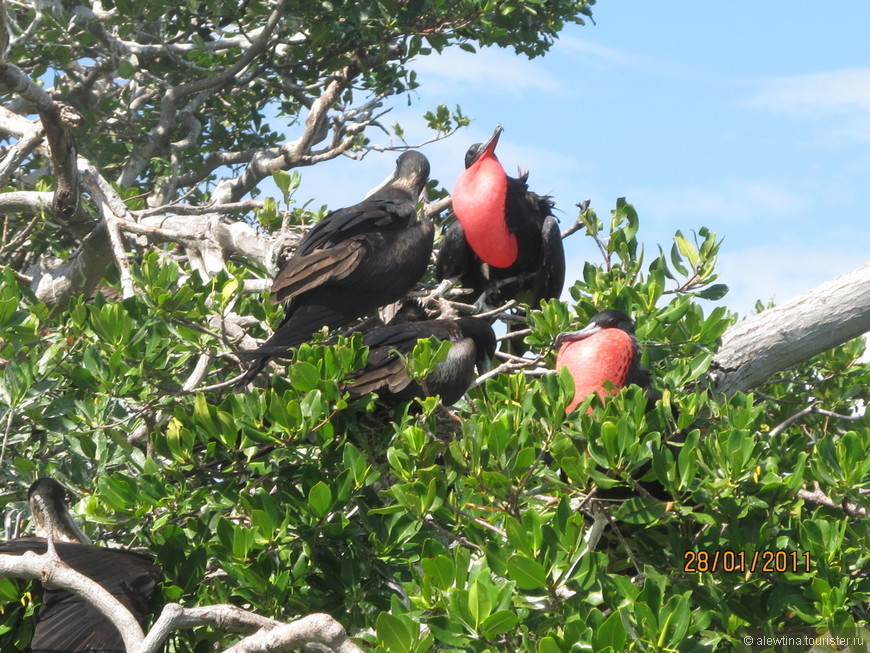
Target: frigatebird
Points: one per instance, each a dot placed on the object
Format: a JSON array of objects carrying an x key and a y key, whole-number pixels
[
  {"x": 472, "y": 345},
  {"x": 604, "y": 351},
  {"x": 352, "y": 262},
  {"x": 66, "y": 622},
  {"x": 602, "y": 358},
  {"x": 505, "y": 242}
]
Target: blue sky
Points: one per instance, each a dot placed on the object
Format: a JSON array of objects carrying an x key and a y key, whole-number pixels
[{"x": 749, "y": 118}]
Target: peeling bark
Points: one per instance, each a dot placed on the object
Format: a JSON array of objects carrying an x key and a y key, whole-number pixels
[{"x": 827, "y": 316}]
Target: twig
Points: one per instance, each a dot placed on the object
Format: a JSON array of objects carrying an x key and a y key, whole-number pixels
[
  {"x": 245, "y": 206},
  {"x": 476, "y": 520},
  {"x": 12, "y": 244},
  {"x": 578, "y": 223},
  {"x": 820, "y": 498},
  {"x": 812, "y": 408}
]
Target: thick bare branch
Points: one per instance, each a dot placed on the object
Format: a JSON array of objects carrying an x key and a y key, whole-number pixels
[
  {"x": 48, "y": 569},
  {"x": 26, "y": 201},
  {"x": 159, "y": 137},
  {"x": 270, "y": 635},
  {"x": 113, "y": 211},
  {"x": 56, "y": 282},
  {"x": 57, "y": 121},
  {"x": 13, "y": 124},
  {"x": 776, "y": 339},
  {"x": 226, "y": 618},
  {"x": 313, "y": 629},
  {"x": 220, "y": 238}
]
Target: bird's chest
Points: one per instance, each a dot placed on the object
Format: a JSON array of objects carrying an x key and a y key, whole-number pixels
[
  {"x": 451, "y": 377},
  {"x": 593, "y": 361},
  {"x": 479, "y": 201}
]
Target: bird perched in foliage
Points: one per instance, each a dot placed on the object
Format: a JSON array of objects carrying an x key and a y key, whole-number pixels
[
  {"x": 602, "y": 358},
  {"x": 66, "y": 622},
  {"x": 505, "y": 241},
  {"x": 352, "y": 262},
  {"x": 472, "y": 345},
  {"x": 604, "y": 351}
]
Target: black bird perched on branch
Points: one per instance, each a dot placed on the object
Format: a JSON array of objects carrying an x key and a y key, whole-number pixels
[
  {"x": 66, "y": 622},
  {"x": 352, "y": 262},
  {"x": 505, "y": 241},
  {"x": 603, "y": 357},
  {"x": 603, "y": 351},
  {"x": 472, "y": 345}
]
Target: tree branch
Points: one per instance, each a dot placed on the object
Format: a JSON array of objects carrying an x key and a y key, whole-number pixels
[
  {"x": 778, "y": 338},
  {"x": 820, "y": 498},
  {"x": 158, "y": 139},
  {"x": 57, "y": 121},
  {"x": 51, "y": 570},
  {"x": 315, "y": 628},
  {"x": 290, "y": 154}
]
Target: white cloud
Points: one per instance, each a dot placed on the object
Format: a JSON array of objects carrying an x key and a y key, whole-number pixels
[
  {"x": 780, "y": 272},
  {"x": 815, "y": 95},
  {"x": 594, "y": 55},
  {"x": 731, "y": 200},
  {"x": 485, "y": 71}
]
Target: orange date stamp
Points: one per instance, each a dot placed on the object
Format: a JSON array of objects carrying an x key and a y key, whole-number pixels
[{"x": 765, "y": 561}]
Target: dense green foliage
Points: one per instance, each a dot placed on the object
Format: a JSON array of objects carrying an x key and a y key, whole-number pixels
[
  {"x": 428, "y": 529},
  {"x": 505, "y": 525}
]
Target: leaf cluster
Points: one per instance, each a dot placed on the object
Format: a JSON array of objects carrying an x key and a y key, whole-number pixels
[{"x": 507, "y": 525}]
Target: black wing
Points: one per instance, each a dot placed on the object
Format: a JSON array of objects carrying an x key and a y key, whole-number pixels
[
  {"x": 346, "y": 223},
  {"x": 551, "y": 277},
  {"x": 68, "y": 623},
  {"x": 385, "y": 368}
]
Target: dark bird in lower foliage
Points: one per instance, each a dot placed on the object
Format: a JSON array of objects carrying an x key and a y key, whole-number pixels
[
  {"x": 352, "y": 262},
  {"x": 605, "y": 351},
  {"x": 505, "y": 241},
  {"x": 67, "y": 623},
  {"x": 472, "y": 345},
  {"x": 602, "y": 358}
]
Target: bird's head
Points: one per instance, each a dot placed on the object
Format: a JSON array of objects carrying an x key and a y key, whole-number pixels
[
  {"x": 410, "y": 175},
  {"x": 609, "y": 319},
  {"x": 483, "y": 336},
  {"x": 51, "y": 518},
  {"x": 479, "y": 151}
]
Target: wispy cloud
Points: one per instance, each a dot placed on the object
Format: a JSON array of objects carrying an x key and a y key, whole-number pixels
[
  {"x": 731, "y": 201},
  {"x": 486, "y": 70},
  {"x": 815, "y": 95},
  {"x": 780, "y": 272},
  {"x": 594, "y": 55}
]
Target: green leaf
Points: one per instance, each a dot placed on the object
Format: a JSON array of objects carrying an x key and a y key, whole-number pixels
[
  {"x": 714, "y": 292},
  {"x": 395, "y": 633},
  {"x": 479, "y": 602},
  {"x": 320, "y": 498},
  {"x": 440, "y": 571},
  {"x": 526, "y": 573},
  {"x": 498, "y": 623}
]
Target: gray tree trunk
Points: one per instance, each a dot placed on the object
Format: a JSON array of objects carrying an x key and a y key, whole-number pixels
[{"x": 758, "y": 347}]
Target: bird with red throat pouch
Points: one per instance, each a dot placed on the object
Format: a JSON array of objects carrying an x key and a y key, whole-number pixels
[
  {"x": 602, "y": 357},
  {"x": 505, "y": 242}
]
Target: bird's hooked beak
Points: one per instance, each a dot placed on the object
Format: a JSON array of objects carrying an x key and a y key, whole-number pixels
[
  {"x": 411, "y": 174},
  {"x": 488, "y": 147},
  {"x": 573, "y": 336},
  {"x": 52, "y": 520},
  {"x": 389, "y": 181}
]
